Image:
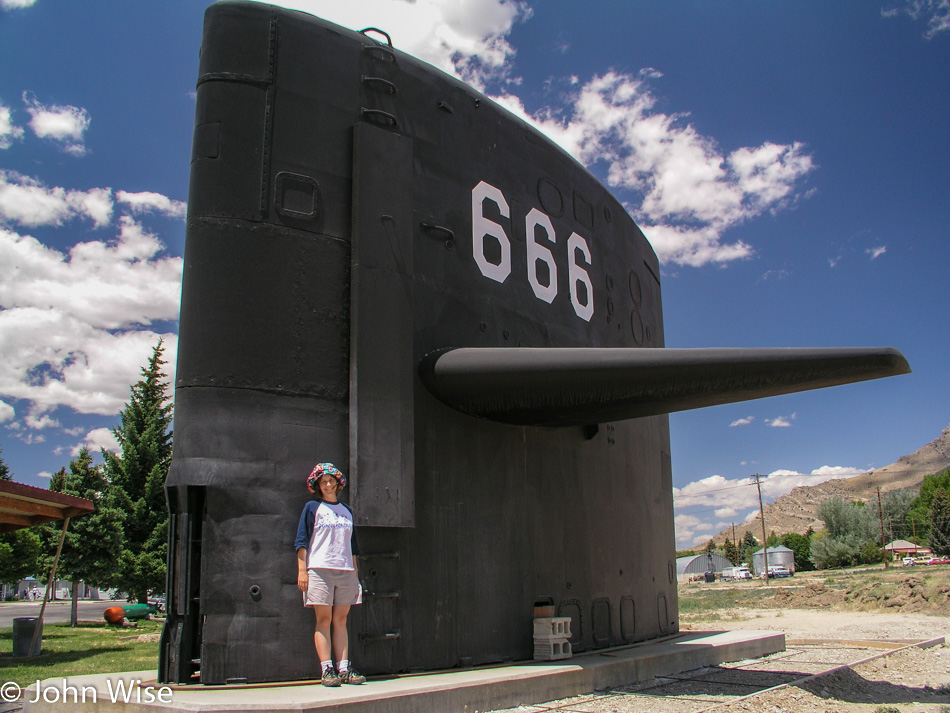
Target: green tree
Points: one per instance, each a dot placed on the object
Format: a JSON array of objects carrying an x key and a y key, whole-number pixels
[
  {"x": 895, "y": 506},
  {"x": 93, "y": 543},
  {"x": 918, "y": 517},
  {"x": 940, "y": 524},
  {"x": 145, "y": 438},
  {"x": 800, "y": 545},
  {"x": 19, "y": 551},
  {"x": 872, "y": 553},
  {"x": 849, "y": 527},
  {"x": 828, "y": 552},
  {"x": 731, "y": 552},
  {"x": 748, "y": 546},
  {"x": 4, "y": 469}
]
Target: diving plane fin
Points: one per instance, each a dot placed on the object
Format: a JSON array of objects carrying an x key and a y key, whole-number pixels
[{"x": 577, "y": 386}]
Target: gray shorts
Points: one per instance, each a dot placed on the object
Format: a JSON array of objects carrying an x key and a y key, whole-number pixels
[{"x": 332, "y": 587}]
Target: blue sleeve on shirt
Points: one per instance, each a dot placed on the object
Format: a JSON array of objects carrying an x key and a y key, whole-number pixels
[{"x": 305, "y": 526}]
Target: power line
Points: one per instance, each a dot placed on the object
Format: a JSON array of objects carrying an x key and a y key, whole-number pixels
[{"x": 716, "y": 490}]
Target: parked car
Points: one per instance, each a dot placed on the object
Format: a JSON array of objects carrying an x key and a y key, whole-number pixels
[
  {"x": 937, "y": 560},
  {"x": 909, "y": 561},
  {"x": 779, "y": 571}
]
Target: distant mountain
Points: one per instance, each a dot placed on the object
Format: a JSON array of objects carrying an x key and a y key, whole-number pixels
[{"x": 795, "y": 512}]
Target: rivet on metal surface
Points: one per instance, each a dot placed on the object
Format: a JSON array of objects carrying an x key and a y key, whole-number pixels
[
  {"x": 445, "y": 106},
  {"x": 483, "y": 327}
]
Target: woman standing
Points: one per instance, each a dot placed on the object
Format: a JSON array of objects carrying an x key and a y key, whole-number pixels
[{"x": 326, "y": 571}]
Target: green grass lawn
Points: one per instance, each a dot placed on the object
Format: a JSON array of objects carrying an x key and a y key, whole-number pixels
[{"x": 86, "y": 649}]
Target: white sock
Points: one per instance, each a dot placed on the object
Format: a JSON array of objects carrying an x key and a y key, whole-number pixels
[
  {"x": 324, "y": 665},
  {"x": 343, "y": 666}
]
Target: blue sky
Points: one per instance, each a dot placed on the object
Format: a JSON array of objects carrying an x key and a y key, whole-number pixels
[{"x": 788, "y": 161}]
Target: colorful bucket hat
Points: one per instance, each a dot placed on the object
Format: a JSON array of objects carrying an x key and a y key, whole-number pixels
[{"x": 321, "y": 469}]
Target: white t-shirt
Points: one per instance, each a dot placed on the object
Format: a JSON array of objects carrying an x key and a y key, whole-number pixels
[{"x": 330, "y": 540}]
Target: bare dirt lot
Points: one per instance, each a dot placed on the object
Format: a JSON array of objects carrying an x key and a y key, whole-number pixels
[{"x": 829, "y": 619}]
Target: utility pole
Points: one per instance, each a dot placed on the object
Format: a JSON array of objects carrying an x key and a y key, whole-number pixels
[
  {"x": 765, "y": 544},
  {"x": 880, "y": 511}
]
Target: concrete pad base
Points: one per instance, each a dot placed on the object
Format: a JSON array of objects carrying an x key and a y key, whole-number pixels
[{"x": 472, "y": 690}]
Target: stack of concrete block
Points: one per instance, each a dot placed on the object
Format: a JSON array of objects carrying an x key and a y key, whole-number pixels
[{"x": 551, "y": 634}]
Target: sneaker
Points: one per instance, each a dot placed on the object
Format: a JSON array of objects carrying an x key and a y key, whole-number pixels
[
  {"x": 353, "y": 677},
  {"x": 330, "y": 677}
]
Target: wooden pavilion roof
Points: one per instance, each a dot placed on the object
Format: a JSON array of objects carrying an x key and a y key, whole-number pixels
[{"x": 25, "y": 506}]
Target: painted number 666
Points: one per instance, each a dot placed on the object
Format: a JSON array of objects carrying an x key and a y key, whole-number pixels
[{"x": 577, "y": 248}]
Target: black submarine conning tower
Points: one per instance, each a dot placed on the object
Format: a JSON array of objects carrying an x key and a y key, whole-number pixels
[{"x": 386, "y": 270}]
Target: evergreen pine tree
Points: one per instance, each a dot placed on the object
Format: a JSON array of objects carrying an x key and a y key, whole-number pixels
[
  {"x": 747, "y": 547},
  {"x": 940, "y": 524},
  {"x": 4, "y": 469},
  {"x": 93, "y": 542},
  {"x": 731, "y": 552},
  {"x": 145, "y": 439}
]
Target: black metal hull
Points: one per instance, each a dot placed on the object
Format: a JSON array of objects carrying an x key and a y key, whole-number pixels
[{"x": 352, "y": 210}]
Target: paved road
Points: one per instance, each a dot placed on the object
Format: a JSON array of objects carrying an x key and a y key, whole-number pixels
[{"x": 55, "y": 611}]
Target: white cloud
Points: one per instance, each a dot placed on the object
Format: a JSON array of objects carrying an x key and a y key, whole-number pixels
[
  {"x": 936, "y": 12},
  {"x": 15, "y": 4},
  {"x": 833, "y": 472},
  {"x": 30, "y": 438},
  {"x": 721, "y": 501},
  {"x": 690, "y": 191},
  {"x": 777, "y": 275},
  {"x": 40, "y": 421},
  {"x": 7, "y": 412},
  {"x": 103, "y": 285},
  {"x": 73, "y": 326},
  {"x": 96, "y": 440},
  {"x": 466, "y": 38},
  {"x": 43, "y": 474},
  {"x": 875, "y": 253},
  {"x": 63, "y": 124},
  {"x": 147, "y": 202},
  {"x": 28, "y": 202},
  {"x": 781, "y": 421},
  {"x": 8, "y": 131},
  {"x": 742, "y": 421},
  {"x": 57, "y": 360}
]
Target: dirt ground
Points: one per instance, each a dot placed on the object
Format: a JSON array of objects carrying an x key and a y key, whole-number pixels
[
  {"x": 910, "y": 680},
  {"x": 893, "y": 605},
  {"x": 913, "y": 680}
]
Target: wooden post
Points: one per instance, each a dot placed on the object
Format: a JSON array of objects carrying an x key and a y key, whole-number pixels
[{"x": 49, "y": 582}]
